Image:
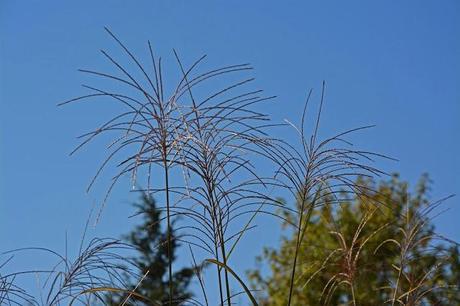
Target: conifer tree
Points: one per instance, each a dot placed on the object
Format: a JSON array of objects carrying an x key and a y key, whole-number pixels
[{"x": 152, "y": 259}]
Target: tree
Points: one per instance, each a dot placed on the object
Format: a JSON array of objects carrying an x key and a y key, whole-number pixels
[
  {"x": 374, "y": 249},
  {"x": 152, "y": 260}
]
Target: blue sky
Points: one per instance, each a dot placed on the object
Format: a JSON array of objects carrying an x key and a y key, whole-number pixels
[{"x": 390, "y": 63}]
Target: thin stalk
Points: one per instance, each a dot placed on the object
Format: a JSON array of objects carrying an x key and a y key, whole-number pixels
[
  {"x": 353, "y": 294},
  {"x": 217, "y": 237},
  {"x": 218, "y": 268},
  {"x": 219, "y": 228},
  {"x": 168, "y": 217},
  {"x": 224, "y": 257},
  {"x": 299, "y": 238},
  {"x": 396, "y": 287},
  {"x": 297, "y": 247}
]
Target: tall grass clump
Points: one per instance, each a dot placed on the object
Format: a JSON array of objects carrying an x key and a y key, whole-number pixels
[
  {"x": 99, "y": 266},
  {"x": 209, "y": 135},
  {"x": 195, "y": 138},
  {"x": 415, "y": 279}
]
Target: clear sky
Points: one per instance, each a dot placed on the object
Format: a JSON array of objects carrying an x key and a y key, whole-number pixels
[{"x": 395, "y": 64}]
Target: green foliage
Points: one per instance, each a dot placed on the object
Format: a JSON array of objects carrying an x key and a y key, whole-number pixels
[
  {"x": 377, "y": 248},
  {"x": 152, "y": 260}
]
